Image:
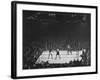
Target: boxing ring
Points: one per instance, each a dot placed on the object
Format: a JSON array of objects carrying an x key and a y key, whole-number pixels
[{"x": 63, "y": 57}]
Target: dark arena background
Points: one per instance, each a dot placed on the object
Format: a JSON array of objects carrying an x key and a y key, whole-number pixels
[{"x": 56, "y": 39}]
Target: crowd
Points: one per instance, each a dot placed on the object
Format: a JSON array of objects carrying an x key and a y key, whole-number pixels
[
  {"x": 35, "y": 49},
  {"x": 47, "y": 65}
]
